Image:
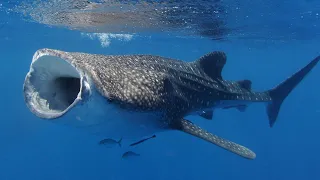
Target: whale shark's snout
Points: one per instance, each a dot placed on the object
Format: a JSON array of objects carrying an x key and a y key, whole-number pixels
[{"x": 54, "y": 85}]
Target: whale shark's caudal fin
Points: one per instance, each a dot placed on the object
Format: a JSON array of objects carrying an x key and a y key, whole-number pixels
[
  {"x": 279, "y": 93},
  {"x": 190, "y": 128}
]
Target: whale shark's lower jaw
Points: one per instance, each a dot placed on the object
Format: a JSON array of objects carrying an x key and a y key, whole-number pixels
[{"x": 53, "y": 86}]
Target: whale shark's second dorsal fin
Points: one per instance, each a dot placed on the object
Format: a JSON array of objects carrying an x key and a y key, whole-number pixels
[
  {"x": 212, "y": 63},
  {"x": 245, "y": 84},
  {"x": 190, "y": 128}
]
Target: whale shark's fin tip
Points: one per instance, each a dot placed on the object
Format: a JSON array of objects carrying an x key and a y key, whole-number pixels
[
  {"x": 190, "y": 128},
  {"x": 279, "y": 93}
]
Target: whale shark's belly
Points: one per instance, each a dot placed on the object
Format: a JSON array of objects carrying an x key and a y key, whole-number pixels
[
  {"x": 129, "y": 124},
  {"x": 110, "y": 121}
]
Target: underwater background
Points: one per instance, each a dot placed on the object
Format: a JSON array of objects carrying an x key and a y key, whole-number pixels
[{"x": 265, "y": 41}]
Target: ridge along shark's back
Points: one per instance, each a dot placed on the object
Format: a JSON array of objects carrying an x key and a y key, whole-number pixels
[{"x": 142, "y": 94}]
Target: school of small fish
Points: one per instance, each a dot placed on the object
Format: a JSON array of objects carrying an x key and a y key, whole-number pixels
[{"x": 110, "y": 143}]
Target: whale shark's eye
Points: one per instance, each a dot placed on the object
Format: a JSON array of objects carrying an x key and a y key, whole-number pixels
[{"x": 52, "y": 86}]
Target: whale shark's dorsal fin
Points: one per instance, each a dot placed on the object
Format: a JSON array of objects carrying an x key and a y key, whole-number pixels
[
  {"x": 213, "y": 63},
  {"x": 190, "y": 128}
]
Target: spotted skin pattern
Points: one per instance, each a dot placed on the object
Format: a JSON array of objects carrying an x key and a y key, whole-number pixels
[
  {"x": 175, "y": 88},
  {"x": 146, "y": 82},
  {"x": 195, "y": 130}
]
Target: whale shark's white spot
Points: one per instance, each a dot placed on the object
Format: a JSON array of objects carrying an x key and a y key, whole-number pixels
[{"x": 105, "y": 38}]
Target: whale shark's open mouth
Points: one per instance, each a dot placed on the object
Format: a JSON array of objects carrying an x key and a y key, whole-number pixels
[{"x": 52, "y": 86}]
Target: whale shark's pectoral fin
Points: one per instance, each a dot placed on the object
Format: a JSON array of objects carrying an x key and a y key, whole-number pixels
[
  {"x": 206, "y": 114},
  {"x": 190, "y": 128}
]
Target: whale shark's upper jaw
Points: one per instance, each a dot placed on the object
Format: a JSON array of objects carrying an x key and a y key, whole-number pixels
[{"x": 53, "y": 86}]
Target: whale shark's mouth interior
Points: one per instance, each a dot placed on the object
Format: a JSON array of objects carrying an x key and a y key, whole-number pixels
[{"x": 52, "y": 86}]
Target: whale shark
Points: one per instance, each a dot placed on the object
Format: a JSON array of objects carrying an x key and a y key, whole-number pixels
[{"x": 133, "y": 96}]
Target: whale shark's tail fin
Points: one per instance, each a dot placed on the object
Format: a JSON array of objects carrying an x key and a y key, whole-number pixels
[{"x": 280, "y": 92}]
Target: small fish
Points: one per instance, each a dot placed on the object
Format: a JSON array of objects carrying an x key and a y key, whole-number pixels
[
  {"x": 110, "y": 142},
  {"x": 142, "y": 140},
  {"x": 129, "y": 154}
]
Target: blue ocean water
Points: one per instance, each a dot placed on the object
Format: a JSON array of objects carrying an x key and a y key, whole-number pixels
[{"x": 34, "y": 149}]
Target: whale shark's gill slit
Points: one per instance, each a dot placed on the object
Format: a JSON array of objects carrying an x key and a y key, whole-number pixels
[{"x": 52, "y": 86}]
